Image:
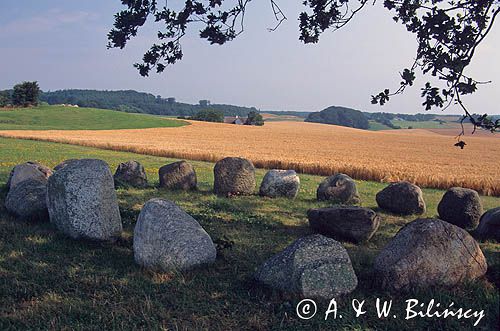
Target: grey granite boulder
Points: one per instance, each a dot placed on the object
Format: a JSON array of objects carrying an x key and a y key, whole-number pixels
[
  {"x": 166, "y": 238},
  {"x": 349, "y": 223},
  {"x": 27, "y": 200},
  {"x": 429, "y": 252},
  {"x": 82, "y": 201},
  {"x": 489, "y": 225},
  {"x": 313, "y": 267},
  {"x": 130, "y": 174},
  {"x": 178, "y": 176},
  {"x": 339, "y": 188},
  {"x": 280, "y": 183},
  {"x": 28, "y": 170},
  {"x": 234, "y": 176},
  {"x": 461, "y": 207},
  {"x": 401, "y": 198}
]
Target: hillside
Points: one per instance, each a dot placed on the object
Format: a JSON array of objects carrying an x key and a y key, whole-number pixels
[
  {"x": 136, "y": 102},
  {"x": 340, "y": 116},
  {"x": 73, "y": 118}
]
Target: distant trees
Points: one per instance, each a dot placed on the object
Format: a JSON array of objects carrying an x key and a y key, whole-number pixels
[
  {"x": 209, "y": 115},
  {"x": 204, "y": 103},
  {"x": 254, "y": 118},
  {"x": 26, "y": 94},
  {"x": 340, "y": 116},
  {"x": 136, "y": 102}
]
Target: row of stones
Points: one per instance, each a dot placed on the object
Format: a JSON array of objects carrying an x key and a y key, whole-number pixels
[{"x": 82, "y": 203}]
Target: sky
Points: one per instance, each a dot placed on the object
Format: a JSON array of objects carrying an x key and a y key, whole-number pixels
[{"x": 62, "y": 45}]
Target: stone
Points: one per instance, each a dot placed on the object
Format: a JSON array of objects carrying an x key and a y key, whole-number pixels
[
  {"x": 280, "y": 183},
  {"x": 461, "y": 207},
  {"x": 82, "y": 201},
  {"x": 313, "y": 267},
  {"x": 130, "y": 174},
  {"x": 234, "y": 176},
  {"x": 402, "y": 198},
  {"x": 429, "y": 252},
  {"x": 489, "y": 225},
  {"x": 339, "y": 188},
  {"x": 28, "y": 170},
  {"x": 178, "y": 176},
  {"x": 63, "y": 164},
  {"x": 166, "y": 238},
  {"x": 27, "y": 200},
  {"x": 349, "y": 223}
]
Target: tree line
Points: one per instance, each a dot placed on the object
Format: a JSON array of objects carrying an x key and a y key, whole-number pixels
[{"x": 138, "y": 102}]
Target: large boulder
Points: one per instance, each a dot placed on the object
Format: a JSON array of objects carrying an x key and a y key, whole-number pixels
[
  {"x": 429, "y": 252},
  {"x": 234, "y": 176},
  {"x": 280, "y": 183},
  {"x": 130, "y": 173},
  {"x": 166, "y": 238},
  {"x": 461, "y": 207},
  {"x": 178, "y": 176},
  {"x": 401, "y": 198},
  {"x": 82, "y": 201},
  {"x": 349, "y": 223},
  {"x": 28, "y": 200},
  {"x": 313, "y": 266},
  {"x": 339, "y": 188},
  {"x": 489, "y": 225},
  {"x": 28, "y": 170}
]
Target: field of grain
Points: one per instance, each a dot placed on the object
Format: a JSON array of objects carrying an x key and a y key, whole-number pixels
[{"x": 425, "y": 158}]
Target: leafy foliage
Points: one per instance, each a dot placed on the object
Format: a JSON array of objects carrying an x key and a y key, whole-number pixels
[
  {"x": 447, "y": 31},
  {"x": 25, "y": 94},
  {"x": 340, "y": 116},
  {"x": 254, "y": 118},
  {"x": 209, "y": 115}
]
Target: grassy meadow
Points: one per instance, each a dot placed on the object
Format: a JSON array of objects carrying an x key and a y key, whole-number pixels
[
  {"x": 73, "y": 118},
  {"x": 48, "y": 281}
]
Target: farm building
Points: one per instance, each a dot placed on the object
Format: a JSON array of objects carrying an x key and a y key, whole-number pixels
[{"x": 234, "y": 120}]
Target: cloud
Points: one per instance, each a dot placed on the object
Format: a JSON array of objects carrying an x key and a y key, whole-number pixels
[{"x": 47, "y": 21}]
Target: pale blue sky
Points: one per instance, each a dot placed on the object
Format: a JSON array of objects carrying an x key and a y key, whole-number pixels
[{"x": 62, "y": 44}]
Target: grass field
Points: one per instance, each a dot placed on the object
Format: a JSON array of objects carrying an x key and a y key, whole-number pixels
[
  {"x": 423, "y": 157},
  {"x": 48, "y": 281},
  {"x": 70, "y": 118},
  {"x": 420, "y": 124}
]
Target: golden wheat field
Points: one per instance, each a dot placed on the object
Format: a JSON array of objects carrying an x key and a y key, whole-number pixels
[{"x": 423, "y": 157}]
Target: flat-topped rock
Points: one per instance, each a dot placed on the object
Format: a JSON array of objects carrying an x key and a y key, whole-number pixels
[
  {"x": 313, "y": 266},
  {"x": 349, "y": 223},
  {"x": 82, "y": 201}
]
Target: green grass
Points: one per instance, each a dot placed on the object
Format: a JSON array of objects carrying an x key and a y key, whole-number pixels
[
  {"x": 420, "y": 124},
  {"x": 48, "y": 281},
  {"x": 70, "y": 118},
  {"x": 376, "y": 126}
]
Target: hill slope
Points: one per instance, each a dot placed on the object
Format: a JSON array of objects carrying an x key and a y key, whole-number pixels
[{"x": 72, "y": 118}]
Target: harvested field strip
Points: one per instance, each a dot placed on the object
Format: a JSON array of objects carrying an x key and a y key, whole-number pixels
[{"x": 425, "y": 158}]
